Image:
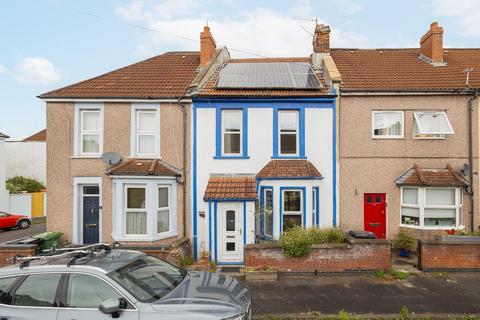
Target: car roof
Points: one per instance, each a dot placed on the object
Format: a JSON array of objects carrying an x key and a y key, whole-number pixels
[{"x": 103, "y": 261}]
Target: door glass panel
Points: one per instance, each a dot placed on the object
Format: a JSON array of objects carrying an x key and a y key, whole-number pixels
[
  {"x": 369, "y": 199},
  {"x": 88, "y": 292},
  {"x": 230, "y": 216},
  {"x": 91, "y": 190},
  {"x": 378, "y": 199},
  {"x": 37, "y": 291},
  {"x": 230, "y": 246}
]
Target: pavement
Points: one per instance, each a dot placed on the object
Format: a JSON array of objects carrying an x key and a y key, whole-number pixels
[
  {"x": 454, "y": 293},
  {"x": 15, "y": 234}
]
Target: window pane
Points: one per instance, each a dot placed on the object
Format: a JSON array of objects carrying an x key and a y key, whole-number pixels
[
  {"x": 146, "y": 121},
  {"x": 231, "y": 143},
  {"x": 5, "y": 286},
  {"x": 410, "y": 196},
  {"x": 136, "y": 223},
  {"x": 91, "y": 121},
  {"x": 163, "y": 221},
  {"x": 136, "y": 198},
  {"x": 411, "y": 216},
  {"x": 230, "y": 246},
  {"x": 416, "y": 133},
  {"x": 91, "y": 190},
  {"x": 291, "y": 201},
  {"x": 432, "y": 123},
  {"x": 163, "y": 197},
  {"x": 37, "y": 291},
  {"x": 268, "y": 200},
  {"x": 289, "y": 221},
  {"x": 146, "y": 144},
  {"x": 288, "y": 120},
  {"x": 90, "y": 143},
  {"x": 387, "y": 124},
  {"x": 232, "y": 120},
  {"x": 230, "y": 223},
  {"x": 288, "y": 143},
  {"x": 442, "y": 197},
  {"x": 88, "y": 292},
  {"x": 440, "y": 217}
]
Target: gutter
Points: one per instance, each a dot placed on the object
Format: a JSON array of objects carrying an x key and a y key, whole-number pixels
[
  {"x": 183, "y": 108},
  {"x": 470, "y": 156}
]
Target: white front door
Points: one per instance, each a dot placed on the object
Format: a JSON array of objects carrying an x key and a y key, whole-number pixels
[{"x": 230, "y": 231}]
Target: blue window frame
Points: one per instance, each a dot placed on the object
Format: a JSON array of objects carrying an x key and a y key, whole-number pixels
[
  {"x": 231, "y": 131},
  {"x": 316, "y": 206},
  {"x": 293, "y": 128},
  {"x": 303, "y": 204},
  {"x": 266, "y": 217}
]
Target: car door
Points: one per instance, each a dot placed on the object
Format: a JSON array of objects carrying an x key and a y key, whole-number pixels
[
  {"x": 32, "y": 298},
  {"x": 82, "y": 295},
  {"x": 3, "y": 220}
]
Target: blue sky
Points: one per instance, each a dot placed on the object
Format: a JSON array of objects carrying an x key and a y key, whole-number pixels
[{"x": 47, "y": 44}]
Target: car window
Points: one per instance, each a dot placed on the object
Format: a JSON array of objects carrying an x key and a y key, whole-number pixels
[
  {"x": 5, "y": 285},
  {"x": 3, "y": 214},
  {"x": 86, "y": 291},
  {"x": 37, "y": 291}
]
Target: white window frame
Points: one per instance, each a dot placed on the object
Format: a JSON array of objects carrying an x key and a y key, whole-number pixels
[
  {"x": 168, "y": 187},
  {"x": 136, "y": 109},
  {"x": 297, "y": 133},
  {"x": 293, "y": 213},
  {"x": 438, "y": 136},
  {"x": 421, "y": 205},
  {"x": 78, "y": 129},
  {"x": 239, "y": 112},
  {"x": 390, "y": 136},
  {"x": 140, "y": 210}
]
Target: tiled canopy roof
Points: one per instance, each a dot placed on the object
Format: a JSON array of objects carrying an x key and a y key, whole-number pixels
[
  {"x": 143, "y": 167},
  {"x": 442, "y": 177},
  {"x": 403, "y": 70},
  {"x": 39, "y": 136},
  {"x": 289, "y": 169},
  {"x": 230, "y": 188},
  {"x": 164, "y": 76},
  {"x": 3, "y": 136},
  {"x": 209, "y": 88}
]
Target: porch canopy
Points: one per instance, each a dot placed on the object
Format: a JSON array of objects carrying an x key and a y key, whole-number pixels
[
  {"x": 432, "y": 177},
  {"x": 231, "y": 188},
  {"x": 289, "y": 169},
  {"x": 143, "y": 167}
]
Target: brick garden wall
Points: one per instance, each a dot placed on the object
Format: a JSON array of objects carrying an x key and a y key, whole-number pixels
[
  {"x": 355, "y": 256},
  {"x": 449, "y": 255},
  {"x": 171, "y": 253},
  {"x": 8, "y": 251}
]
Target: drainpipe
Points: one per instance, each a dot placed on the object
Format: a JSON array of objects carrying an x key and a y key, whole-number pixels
[
  {"x": 183, "y": 108},
  {"x": 470, "y": 157}
]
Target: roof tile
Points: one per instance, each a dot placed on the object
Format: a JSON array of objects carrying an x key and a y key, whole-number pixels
[
  {"x": 143, "y": 167},
  {"x": 440, "y": 177},
  {"x": 231, "y": 188},
  {"x": 289, "y": 169}
]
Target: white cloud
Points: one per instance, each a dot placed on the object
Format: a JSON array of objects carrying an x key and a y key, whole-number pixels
[
  {"x": 261, "y": 31},
  {"x": 36, "y": 70},
  {"x": 466, "y": 11},
  {"x": 347, "y": 6},
  {"x": 3, "y": 69}
]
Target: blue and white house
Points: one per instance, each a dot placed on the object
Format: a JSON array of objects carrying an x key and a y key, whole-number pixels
[{"x": 263, "y": 154}]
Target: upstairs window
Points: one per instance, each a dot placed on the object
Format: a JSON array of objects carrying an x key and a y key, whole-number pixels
[
  {"x": 387, "y": 124},
  {"x": 90, "y": 131},
  {"x": 232, "y": 132},
  {"x": 288, "y": 132},
  {"x": 431, "y": 125},
  {"x": 147, "y": 132}
]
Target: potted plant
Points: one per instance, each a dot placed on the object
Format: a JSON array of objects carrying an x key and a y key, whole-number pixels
[
  {"x": 264, "y": 273},
  {"x": 403, "y": 242}
]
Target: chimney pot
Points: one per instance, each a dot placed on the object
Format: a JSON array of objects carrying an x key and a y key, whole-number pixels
[
  {"x": 207, "y": 46},
  {"x": 431, "y": 44}
]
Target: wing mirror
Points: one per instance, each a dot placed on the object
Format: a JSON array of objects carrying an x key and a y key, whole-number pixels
[{"x": 113, "y": 306}]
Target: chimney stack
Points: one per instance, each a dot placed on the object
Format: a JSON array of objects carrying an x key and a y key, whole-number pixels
[
  {"x": 431, "y": 45},
  {"x": 321, "y": 39},
  {"x": 207, "y": 46}
]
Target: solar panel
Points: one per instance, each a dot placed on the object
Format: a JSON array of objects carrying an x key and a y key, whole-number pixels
[{"x": 276, "y": 75}]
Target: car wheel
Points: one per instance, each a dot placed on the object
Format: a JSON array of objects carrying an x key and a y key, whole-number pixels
[{"x": 23, "y": 224}]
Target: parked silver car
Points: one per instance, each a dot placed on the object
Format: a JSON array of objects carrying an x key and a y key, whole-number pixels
[{"x": 106, "y": 283}]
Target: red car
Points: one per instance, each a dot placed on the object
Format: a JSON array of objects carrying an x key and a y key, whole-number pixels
[{"x": 9, "y": 221}]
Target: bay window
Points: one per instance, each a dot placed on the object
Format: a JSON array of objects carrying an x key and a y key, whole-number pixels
[
  {"x": 387, "y": 124},
  {"x": 135, "y": 210},
  {"x": 431, "y": 207},
  {"x": 163, "y": 210},
  {"x": 291, "y": 208},
  {"x": 288, "y": 132},
  {"x": 232, "y": 132}
]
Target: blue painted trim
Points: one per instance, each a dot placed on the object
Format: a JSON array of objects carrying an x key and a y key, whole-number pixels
[
  {"x": 233, "y": 200},
  {"x": 304, "y": 196},
  {"x": 219, "y": 138},
  {"x": 288, "y": 157},
  {"x": 244, "y": 224},
  {"x": 317, "y": 203},
  {"x": 275, "y": 132},
  {"x": 290, "y": 178},
  {"x": 334, "y": 163},
  {"x": 301, "y": 138},
  {"x": 216, "y": 225},
  {"x": 301, "y": 133},
  {"x": 262, "y": 205},
  {"x": 194, "y": 184},
  {"x": 209, "y": 230},
  {"x": 267, "y": 102}
]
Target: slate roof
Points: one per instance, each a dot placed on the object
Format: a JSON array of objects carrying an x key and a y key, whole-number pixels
[
  {"x": 439, "y": 177},
  {"x": 231, "y": 188},
  {"x": 143, "y": 167},
  {"x": 39, "y": 136},
  {"x": 209, "y": 88},
  {"x": 289, "y": 169},
  {"x": 403, "y": 70},
  {"x": 164, "y": 76}
]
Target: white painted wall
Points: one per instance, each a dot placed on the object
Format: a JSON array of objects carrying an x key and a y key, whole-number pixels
[
  {"x": 318, "y": 150},
  {"x": 4, "y": 201},
  {"x": 21, "y": 204},
  {"x": 26, "y": 159}
]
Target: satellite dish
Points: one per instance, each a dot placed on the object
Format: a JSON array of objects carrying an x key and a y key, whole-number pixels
[{"x": 111, "y": 158}]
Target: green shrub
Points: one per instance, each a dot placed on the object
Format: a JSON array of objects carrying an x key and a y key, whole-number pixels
[
  {"x": 21, "y": 184},
  {"x": 296, "y": 241},
  {"x": 186, "y": 261},
  {"x": 403, "y": 240}
]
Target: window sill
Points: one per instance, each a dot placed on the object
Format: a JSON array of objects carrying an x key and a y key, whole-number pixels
[
  {"x": 431, "y": 228},
  {"x": 230, "y": 157},
  {"x": 388, "y": 138},
  {"x": 289, "y": 157},
  {"x": 139, "y": 238},
  {"x": 144, "y": 157},
  {"x": 99, "y": 156}
]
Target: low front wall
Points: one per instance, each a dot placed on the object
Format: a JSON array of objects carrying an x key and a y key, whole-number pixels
[
  {"x": 8, "y": 251},
  {"x": 449, "y": 254},
  {"x": 355, "y": 256},
  {"x": 172, "y": 252}
]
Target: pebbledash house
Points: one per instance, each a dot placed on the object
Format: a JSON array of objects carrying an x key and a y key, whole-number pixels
[{"x": 263, "y": 150}]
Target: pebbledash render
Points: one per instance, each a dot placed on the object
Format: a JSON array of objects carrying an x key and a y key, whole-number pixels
[{"x": 404, "y": 138}]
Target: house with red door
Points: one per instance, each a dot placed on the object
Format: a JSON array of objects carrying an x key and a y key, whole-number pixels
[{"x": 408, "y": 137}]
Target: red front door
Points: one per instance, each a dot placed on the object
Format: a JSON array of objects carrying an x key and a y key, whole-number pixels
[{"x": 375, "y": 214}]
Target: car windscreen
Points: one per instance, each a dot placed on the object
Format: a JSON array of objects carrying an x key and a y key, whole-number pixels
[{"x": 148, "y": 279}]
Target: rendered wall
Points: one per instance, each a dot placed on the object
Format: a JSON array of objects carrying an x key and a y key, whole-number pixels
[{"x": 27, "y": 159}]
